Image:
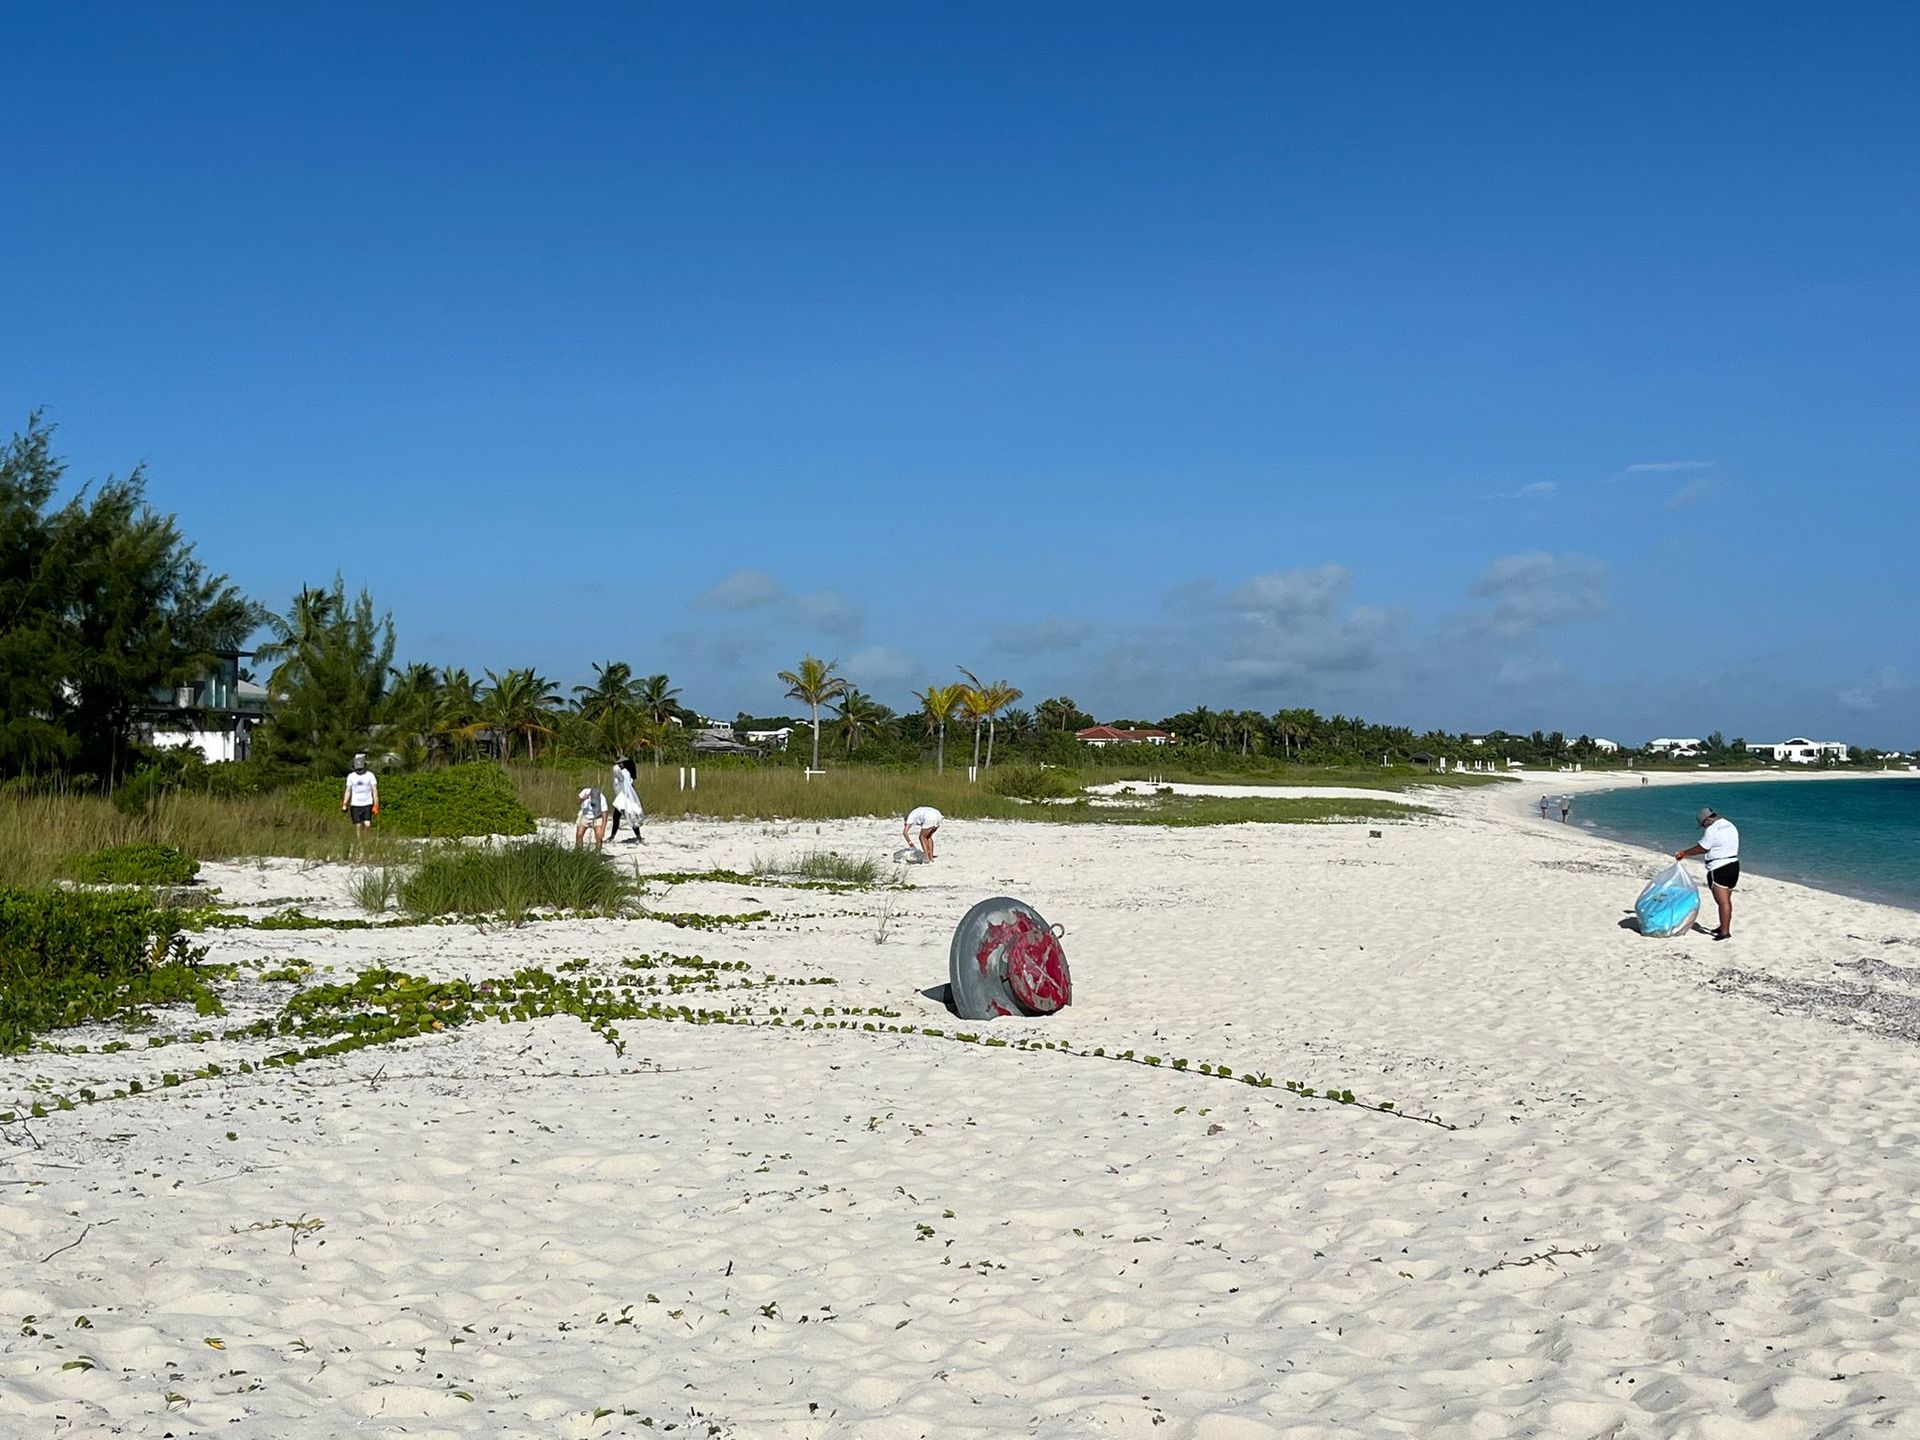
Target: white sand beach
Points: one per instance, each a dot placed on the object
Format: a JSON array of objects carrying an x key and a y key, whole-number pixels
[{"x": 1655, "y": 1206}]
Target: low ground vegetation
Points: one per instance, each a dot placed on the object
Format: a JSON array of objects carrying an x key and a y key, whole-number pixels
[
  {"x": 140, "y": 863},
  {"x": 71, "y": 956}
]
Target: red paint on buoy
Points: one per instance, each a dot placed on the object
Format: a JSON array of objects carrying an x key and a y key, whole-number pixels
[{"x": 1036, "y": 967}]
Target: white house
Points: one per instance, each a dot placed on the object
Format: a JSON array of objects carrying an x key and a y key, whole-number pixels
[
  {"x": 772, "y": 739},
  {"x": 1606, "y": 747},
  {"x": 1680, "y": 749},
  {"x": 1801, "y": 751}
]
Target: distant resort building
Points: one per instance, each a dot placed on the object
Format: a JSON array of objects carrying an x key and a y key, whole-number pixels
[
  {"x": 1098, "y": 735},
  {"x": 770, "y": 739},
  {"x": 1801, "y": 751},
  {"x": 216, "y": 715},
  {"x": 1679, "y": 749},
  {"x": 1606, "y": 747}
]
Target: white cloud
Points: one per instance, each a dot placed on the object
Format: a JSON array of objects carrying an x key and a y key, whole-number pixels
[
  {"x": 879, "y": 666},
  {"x": 1869, "y": 694},
  {"x": 1668, "y": 467},
  {"x": 829, "y": 612},
  {"x": 1042, "y": 637},
  {"x": 824, "y": 612},
  {"x": 742, "y": 590},
  {"x": 1691, "y": 491},
  {"x": 1533, "y": 590},
  {"x": 1538, "y": 490}
]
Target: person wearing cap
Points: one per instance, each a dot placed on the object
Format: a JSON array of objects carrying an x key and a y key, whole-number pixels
[
  {"x": 919, "y": 826},
  {"x": 592, "y": 816},
  {"x": 626, "y": 802},
  {"x": 1720, "y": 844},
  {"x": 361, "y": 799}
]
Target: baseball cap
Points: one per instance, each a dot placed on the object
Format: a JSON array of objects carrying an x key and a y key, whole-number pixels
[
  {"x": 585, "y": 790},
  {"x": 1705, "y": 815}
]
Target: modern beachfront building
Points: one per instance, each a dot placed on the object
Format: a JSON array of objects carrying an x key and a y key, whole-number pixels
[
  {"x": 1801, "y": 751},
  {"x": 215, "y": 715}
]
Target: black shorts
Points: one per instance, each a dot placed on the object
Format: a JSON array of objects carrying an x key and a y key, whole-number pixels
[
  {"x": 1726, "y": 877},
  {"x": 362, "y": 814}
]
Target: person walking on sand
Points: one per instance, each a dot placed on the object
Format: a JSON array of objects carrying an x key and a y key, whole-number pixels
[
  {"x": 1720, "y": 843},
  {"x": 1566, "y": 808},
  {"x": 592, "y": 816},
  {"x": 361, "y": 799},
  {"x": 1544, "y": 802},
  {"x": 626, "y": 802},
  {"x": 919, "y": 826}
]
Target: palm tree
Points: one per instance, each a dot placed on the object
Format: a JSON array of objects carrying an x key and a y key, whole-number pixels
[
  {"x": 1057, "y": 713},
  {"x": 410, "y": 705},
  {"x": 612, "y": 689},
  {"x": 456, "y": 713},
  {"x": 517, "y": 705},
  {"x": 974, "y": 708},
  {"x": 937, "y": 703},
  {"x": 859, "y": 716},
  {"x": 812, "y": 684},
  {"x": 295, "y": 633},
  {"x": 657, "y": 697},
  {"x": 1252, "y": 726},
  {"x": 610, "y": 704},
  {"x": 999, "y": 696}
]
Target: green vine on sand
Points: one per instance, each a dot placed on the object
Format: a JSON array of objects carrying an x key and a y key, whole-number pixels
[{"x": 382, "y": 1007}]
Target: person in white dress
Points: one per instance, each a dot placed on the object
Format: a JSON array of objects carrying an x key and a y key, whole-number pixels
[{"x": 626, "y": 802}]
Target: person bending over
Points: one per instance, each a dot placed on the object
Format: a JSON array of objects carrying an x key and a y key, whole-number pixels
[
  {"x": 592, "y": 817},
  {"x": 919, "y": 826},
  {"x": 1720, "y": 843}
]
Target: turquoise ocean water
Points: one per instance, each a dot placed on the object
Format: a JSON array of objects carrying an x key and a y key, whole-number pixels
[{"x": 1858, "y": 837}]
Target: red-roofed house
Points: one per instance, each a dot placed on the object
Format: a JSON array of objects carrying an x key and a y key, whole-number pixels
[{"x": 1107, "y": 735}]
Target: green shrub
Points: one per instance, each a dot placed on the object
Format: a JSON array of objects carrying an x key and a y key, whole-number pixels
[
  {"x": 1031, "y": 782},
  {"x": 512, "y": 880},
  {"x": 70, "y": 956},
  {"x": 472, "y": 799},
  {"x": 141, "y": 863}
]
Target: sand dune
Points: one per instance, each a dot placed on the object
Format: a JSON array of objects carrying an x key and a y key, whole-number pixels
[{"x": 1666, "y": 1210}]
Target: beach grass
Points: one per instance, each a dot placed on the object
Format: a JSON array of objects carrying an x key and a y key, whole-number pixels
[
  {"x": 1186, "y": 810},
  {"x": 858, "y": 792},
  {"x": 511, "y": 880},
  {"x": 42, "y": 834},
  {"x": 822, "y": 865},
  {"x": 1385, "y": 778}
]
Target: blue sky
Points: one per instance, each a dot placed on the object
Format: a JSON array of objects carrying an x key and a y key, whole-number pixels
[{"x": 1455, "y": 365}]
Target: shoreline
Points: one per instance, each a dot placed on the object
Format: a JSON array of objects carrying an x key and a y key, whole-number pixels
[{"x": 1529, "y": 811}]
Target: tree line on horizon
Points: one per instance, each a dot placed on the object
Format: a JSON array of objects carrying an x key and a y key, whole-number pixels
[{"x": 108, "y": 609}]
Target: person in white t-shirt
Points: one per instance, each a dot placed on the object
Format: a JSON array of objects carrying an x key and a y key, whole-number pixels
[
  {"x": 919, "y": 826},
  {"x": 1720, "y": 844},
  {"x": 361, "y": 799}
]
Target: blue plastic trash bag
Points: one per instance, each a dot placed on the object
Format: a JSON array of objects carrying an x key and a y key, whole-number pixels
[{"x": 1669, "y": 903}]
